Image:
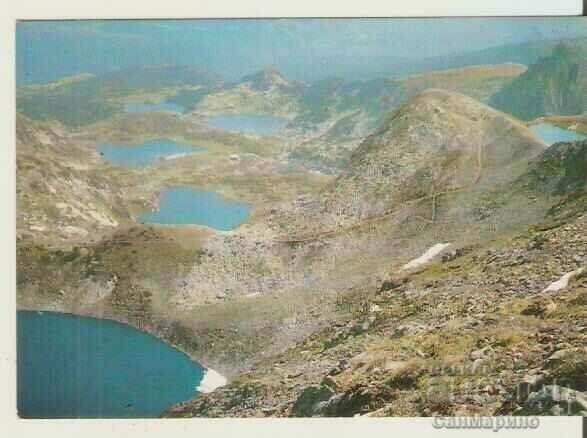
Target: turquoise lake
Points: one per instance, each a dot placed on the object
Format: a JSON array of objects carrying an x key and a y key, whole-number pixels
[
  {"x": 141, "y": 107},
  {"x": 143, "y": 154},
  {"x": 184, "y": 205},
  {"x": 249, "y": 123},
  {"x": 551, "y": 134},
  {"x": 75, "y": 367}
]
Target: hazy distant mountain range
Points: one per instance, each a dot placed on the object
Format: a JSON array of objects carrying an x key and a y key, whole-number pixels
[{"x": 192, "y": 86}]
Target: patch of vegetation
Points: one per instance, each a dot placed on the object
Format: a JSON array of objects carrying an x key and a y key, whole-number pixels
[
  {"x": 71, "y": 108},
  {"x": 189, "y": 99}
]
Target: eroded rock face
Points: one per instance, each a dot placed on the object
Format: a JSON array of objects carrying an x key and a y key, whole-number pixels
[{"x": 61, "y": 198}]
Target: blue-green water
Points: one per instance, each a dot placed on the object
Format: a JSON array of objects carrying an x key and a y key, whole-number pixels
[
  {"x": 184, "y": 205},
  {"x": 550, "y": 134},
  {"x": 75, "y": 367},
  {"x": 141, "y": 107},
  {"x": 249, "y": 123},
  {"x": 143, "y": 154}
]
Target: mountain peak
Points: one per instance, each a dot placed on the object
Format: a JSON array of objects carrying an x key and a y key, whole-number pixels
[
  {"x": 266, "y": 79},
  {"x": 436, "y": 142},
  {"x": 555, "y": 84}
]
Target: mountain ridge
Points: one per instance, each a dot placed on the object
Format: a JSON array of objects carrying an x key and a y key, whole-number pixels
[{"x": 554, "y": 85}]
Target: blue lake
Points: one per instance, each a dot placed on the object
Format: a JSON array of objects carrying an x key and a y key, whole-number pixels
[
  {"x": 142, "y": 107},
  {"x": 75, "y": 367},
  {"x": 551, "y": 134},
  {"x": 143, "y": 154},
  {"x": 249, "y": 123},
  {"x": 184, "y": 205}
]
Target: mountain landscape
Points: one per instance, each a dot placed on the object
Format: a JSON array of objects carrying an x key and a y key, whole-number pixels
[
  {"x": 555, "y": 85},
  {"x": 407, "y": 245}
]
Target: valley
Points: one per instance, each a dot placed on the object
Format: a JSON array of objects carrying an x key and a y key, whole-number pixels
[{"x": 337, "y": 248}]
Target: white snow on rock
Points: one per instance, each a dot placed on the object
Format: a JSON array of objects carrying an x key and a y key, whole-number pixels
[
  {"x": 211, "y": 381},
  {"x": 430, "y": 254},
  {"x": 563, "y": 282},
  {"x": 174, "y": 156}
]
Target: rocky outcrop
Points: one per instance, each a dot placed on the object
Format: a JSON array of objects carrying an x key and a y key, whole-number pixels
[
  {"x": 61, "y": 197},
  {"x": 265, "y": 92},
  {"x": 554, "y": 85}
]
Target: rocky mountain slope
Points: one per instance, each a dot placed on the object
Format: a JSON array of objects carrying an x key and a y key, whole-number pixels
[
  {"x": 312, "y": 245},
  {"x": 497, "y": 328},
  {"x": 523, "y": 53},
  {"x": 437, "y": 165},
  {"x": 265, "y": 92},
  {"x": 335, "y": 115},
  {"x": 325, "y": 113},
  {"x": 80, "y": 249},
  {"x": 438, "y": 145},
  {"x": 554, "y": 85},
  {"x": 323, "y": 275},
  {"x": 60, "y": 195}
]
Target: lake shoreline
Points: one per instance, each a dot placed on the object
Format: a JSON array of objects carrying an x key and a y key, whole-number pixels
[
  {"x": 205, "y": 208},
  {"x": 148, "y": 328}
]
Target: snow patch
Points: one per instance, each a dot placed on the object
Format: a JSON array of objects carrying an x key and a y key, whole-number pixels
[
  {"x": 211, "y": 381},
  {"x": 175, "y": 156},
  {"x": 426, "y": 257},
  {"x": 563, "y": 282}
]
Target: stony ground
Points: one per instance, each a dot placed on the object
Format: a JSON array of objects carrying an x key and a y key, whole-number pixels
[
  {"x": 80, "y": 249},
  {"x": 327, "y": 326},
  {"x": 474, "y": 333}
]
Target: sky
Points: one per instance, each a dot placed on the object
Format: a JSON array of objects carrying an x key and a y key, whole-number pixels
[{"x": 304, "y": 49}]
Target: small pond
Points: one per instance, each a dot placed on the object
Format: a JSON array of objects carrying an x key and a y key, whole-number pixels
[
  {"x": 148, "y": 152},
  {"x": 184, "y": 205},
  {"x": 551, "y": 134}
]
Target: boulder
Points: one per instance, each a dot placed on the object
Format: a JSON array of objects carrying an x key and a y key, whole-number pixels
[{"x": 310, "y": 401}]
